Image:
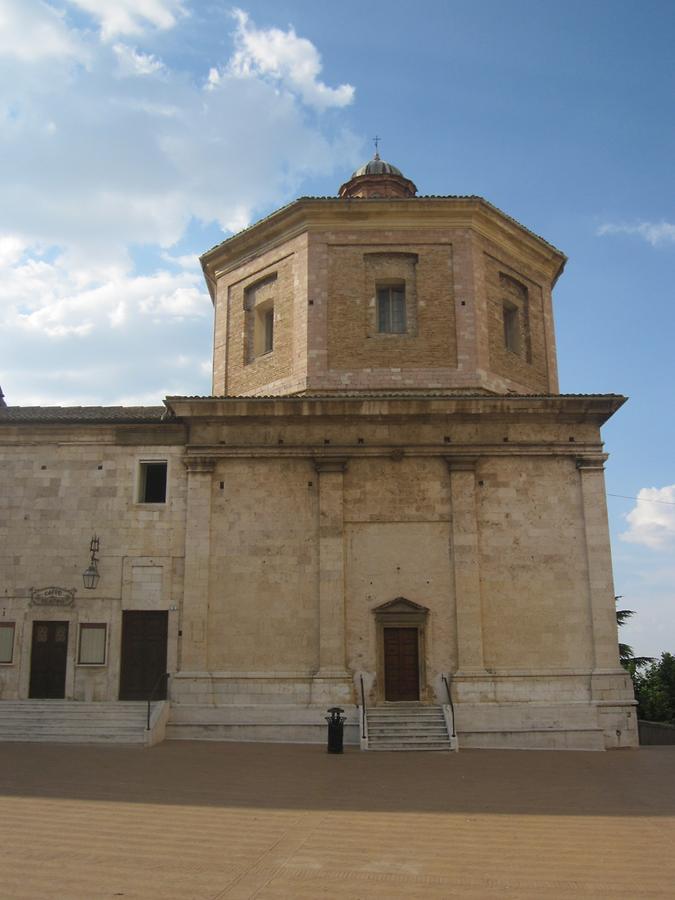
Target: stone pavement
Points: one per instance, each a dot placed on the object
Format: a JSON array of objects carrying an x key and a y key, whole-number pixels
[{"x": 207, "y": 821}]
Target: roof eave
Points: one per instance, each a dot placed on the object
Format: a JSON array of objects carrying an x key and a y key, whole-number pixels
[
  {"x": 291, "y": 220},
  {"x": 597, "y": 408}
]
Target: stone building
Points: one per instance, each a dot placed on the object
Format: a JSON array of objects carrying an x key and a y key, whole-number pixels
[{"x": 384, "y": 499}]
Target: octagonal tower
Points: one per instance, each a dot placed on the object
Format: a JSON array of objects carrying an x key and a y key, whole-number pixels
[{"x": 379, "y": 290}]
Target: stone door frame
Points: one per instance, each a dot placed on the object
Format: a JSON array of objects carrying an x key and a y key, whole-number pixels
[{"x": 401, "y": 613}]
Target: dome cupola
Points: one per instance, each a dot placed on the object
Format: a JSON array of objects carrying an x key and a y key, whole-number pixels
[
  {"x": 377, "y": 178},
  {"x": 377, "y": 166}
]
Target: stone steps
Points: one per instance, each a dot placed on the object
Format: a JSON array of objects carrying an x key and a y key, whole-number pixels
[
  {"x": 410, "y": 743},
  {"x": 60, "y": 721},
  {"x": 408, "y": 727},
  {"x": 422, "y": 733}
]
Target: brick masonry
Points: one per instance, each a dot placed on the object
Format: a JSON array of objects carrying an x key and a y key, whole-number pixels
[{"x": 456, "y": 278}]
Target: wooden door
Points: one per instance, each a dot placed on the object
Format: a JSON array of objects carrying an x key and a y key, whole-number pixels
[
  {"x": 48, "y": 658},
  {"x": 401, "y": 664},
  {"x": 143, "y": 654}
]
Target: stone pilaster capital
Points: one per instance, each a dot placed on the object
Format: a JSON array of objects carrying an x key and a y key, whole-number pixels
[
  {"x": 461, "y": 463},
  {"x": 596, "y": 463},
  {"x": 330, "y": 464},
  {"x": 199, "y": 464}
]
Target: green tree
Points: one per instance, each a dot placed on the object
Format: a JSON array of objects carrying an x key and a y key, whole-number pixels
[
  {"x": 655, "y": 690},
  {"x": 627, "y": 657}
]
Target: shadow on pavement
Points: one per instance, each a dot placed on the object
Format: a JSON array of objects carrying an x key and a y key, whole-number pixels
[{"x": 284, "y": 776}]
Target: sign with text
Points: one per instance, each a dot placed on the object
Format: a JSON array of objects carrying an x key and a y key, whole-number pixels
[{"x": 52, "y": 596}]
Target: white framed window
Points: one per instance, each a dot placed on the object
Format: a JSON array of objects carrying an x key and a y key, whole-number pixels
[
  {"x": 391, "y": 311},
  {"x": 7, "y": 630},
  {"x": 92, "y": 644},
  {"x": 152, "y": 481}
]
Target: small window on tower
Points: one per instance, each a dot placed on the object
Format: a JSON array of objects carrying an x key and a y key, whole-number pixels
[
  {"x": 152, "y": 482},
  {"x": 269, "y": 330},
  {"x": 511, "y": 327},
  {"x": 263, "y": 328},
  {"x": 391, "y": 315}
]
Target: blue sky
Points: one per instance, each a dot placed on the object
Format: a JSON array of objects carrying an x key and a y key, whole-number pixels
[{"x": 138, "y": 133}]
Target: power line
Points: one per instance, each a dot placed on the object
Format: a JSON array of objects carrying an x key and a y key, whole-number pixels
[{"x": 642, "y": 499}]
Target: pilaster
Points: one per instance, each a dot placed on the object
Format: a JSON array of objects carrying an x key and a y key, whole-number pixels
[
  {"x": 599, "y": 559},
  {"x": 331, "y": 568},
  {"x": 466, "y": 314},
  {"x": 465, "y": 564},
  {"x": 194, "y": 623}
]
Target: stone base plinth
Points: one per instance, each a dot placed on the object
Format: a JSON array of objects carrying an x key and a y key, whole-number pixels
[
  {"x": 284, "y": 723},
  {"x": 253, "y": 706},
  {"x": 546, "y": 726}
]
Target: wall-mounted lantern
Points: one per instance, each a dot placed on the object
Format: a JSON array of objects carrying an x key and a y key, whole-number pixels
[{"x": 90, "y": 576}]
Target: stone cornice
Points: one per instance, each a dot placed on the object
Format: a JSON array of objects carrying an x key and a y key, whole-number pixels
[
  {"x": 199, "y": 464},
  {"x": 464, "y": 451},
  {"x": 592, "y": 461},
  {"x": 308, "y": 215},
  {"x": 497, "y": 408}
]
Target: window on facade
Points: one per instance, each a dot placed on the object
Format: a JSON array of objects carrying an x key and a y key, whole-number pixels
[
  {"x": 263, "y": 329},
  {"x": 92, "y": 645},
  {"x": 511, "y": 327},
  {"x": 269, "y": 330},
  {"x": 6, "y": 642},
  {"x": 259, "y": 300},
  {"x": 152, "y": 482},
  {"x": 391, "y": 317}
]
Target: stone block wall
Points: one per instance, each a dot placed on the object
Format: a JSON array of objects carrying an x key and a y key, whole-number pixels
[
  {"x": 263, "y": 567},
  {"x": 59, "y": 487},
  {"x": 533, "y": 566},
  {"x": 288, "y": 526}
]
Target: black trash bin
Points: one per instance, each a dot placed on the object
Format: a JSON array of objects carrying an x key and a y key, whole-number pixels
[{"x": 336, "y": 727}]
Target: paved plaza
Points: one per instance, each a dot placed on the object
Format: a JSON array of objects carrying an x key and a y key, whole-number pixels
[{"x": 206, "y": 821}]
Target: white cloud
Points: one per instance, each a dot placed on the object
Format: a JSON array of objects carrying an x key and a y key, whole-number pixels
[
  {"x": 131, "y": 62},
  {"x": 655, "y": 233},
  {"x": 109, "y": 323},
  {"x": 101, "y": 170},
  {"x": 131, "y": 16},
  {"x": 11, "y": 249},
  {"x": 56, "y": 300},
  {"x": 31, "y": 30},
  {"x": 652, "y": 521},
  {"x": 118, "y": 161},
  {"x": 290, "y": 60}
]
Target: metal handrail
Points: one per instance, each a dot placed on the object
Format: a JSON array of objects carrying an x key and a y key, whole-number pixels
[
  {"x": 452, "y": 705},
  {"x": 363, "y": 708},
  {"x": 153, "y": 692}
]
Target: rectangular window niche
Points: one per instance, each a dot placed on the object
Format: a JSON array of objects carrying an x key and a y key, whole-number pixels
[
  {"x": 152, "y": 478},
  {"x": 91, "y": 650},
  {"x": 6, "y": 643},
  {"x": 259, "y": 315},
  {"x": 391, "y": 286},
  {"x": 511, "y": 318},
  {"x": 515, "y": 308}
]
